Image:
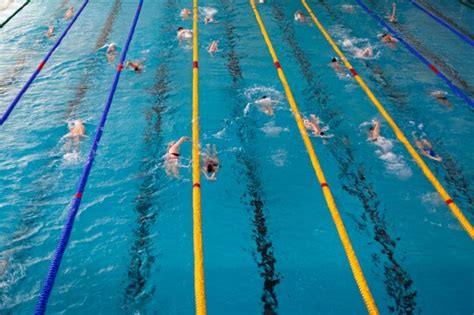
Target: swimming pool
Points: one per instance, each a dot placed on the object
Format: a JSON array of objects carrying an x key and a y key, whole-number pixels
[{"x": 270, "y": 243}]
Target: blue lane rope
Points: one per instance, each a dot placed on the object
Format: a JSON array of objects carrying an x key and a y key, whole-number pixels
[
  {"x": 10, "y": 108},
  {"x": 66, "y": 231},
  {"x": 440, "y": 21},
  {"x": 453, "y": 87}
]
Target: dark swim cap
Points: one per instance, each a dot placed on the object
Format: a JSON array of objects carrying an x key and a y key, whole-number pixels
[{"x": 333, "y": 59}]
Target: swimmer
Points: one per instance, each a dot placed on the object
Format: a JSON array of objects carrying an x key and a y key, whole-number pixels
[
  {"x": 374, "y": 131},
  {"x": 172, "y": 157},
  {"x": 111, "y": 52},
  {"x": 425, "y": 148},
  {"x": 213, "y": 47},
  {"x": 299, "y": 17},
  {"x": 366, "y": 53},
  {"x": 135, "y": 65},
  {"x": 210, "y": 16},
  {"x": 69, "y": 13},
  {"x": 348, "y": 8},
  {"x": 265, "y": 104},
  {"x": 208, "y": 19},
  {"x": 50, "y": 32},
  {"x": 388, "y": 39},
  {"x": 185, "y": 13},
  {"x": 392, "y": 17},
  {"x": 210, "y": 163},
  {"x": 442, "y": 98},
  {"x": 336, "y": 65},
  {"x": 76, "y": 130},
  {"x": 313, "y": 125},
  {"x": 184, "y": 33}
]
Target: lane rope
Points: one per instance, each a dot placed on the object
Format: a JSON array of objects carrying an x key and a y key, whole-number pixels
[
  {"x": 199, "y": 288},
  {"x": 40, "y": 66},
  {"x": 14, "y": 14},
  {"x": 399, "y": 134},
  {"x": 346, "y": 243},
  {"x": 415, "y": 52},
  {"x": 76, "y": 201},
  {"x": 443, "y": 23}
]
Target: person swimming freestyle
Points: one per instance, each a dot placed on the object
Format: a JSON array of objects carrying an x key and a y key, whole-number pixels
[
  {"x": 426, "y": 148},
  {"x": 211, "y": 163}
]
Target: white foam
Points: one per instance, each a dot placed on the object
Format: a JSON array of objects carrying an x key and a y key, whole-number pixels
[
  {"x": 220, "y": 134},
  {"x": 5, "y": 4},
  {"x": 208, "y": 11},
  {"x": 279, "y": 157},
  {"x": 8, "y": 7},
  {"x": 247, "y": 109},
  {"x": 273, "y": 131},
  {"x": 71, "y": 158},
  {"x": 432, "y": 199},
  {"x": 350, "y": 44},
  {"x": 394, "y": 163},
  {"x": 256, "y": 93}
]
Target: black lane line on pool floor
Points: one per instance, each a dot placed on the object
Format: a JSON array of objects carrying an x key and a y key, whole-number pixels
[
  {"x": 264, "y": 257},
  {"x": 449, "y": 71},
  {"x": 43, "y": 186},
  {"x": 397, "y": 280},
  {"x": 147, "y": 207},
  {"x": 454, "y": 174},
  {"x": 94, "y": 62}
]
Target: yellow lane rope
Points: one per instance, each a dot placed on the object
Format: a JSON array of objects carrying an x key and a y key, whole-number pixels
[
  {"x": 353, "y": 261},
  {"x": 429, "y": 175},
  {"x": 199, "y": 290}
]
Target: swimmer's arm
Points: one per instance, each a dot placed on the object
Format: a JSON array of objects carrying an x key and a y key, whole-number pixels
[
  {"x": 181, "y": 140},
  {"x": 436, "y": 158}
]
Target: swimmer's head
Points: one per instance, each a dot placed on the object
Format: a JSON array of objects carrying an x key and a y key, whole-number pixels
[
  {"x": 180, "y": 28},
  {"x": 112, "y": 47},
  {"x": 321, "y": 133},
  {"x": 264, "y": 97},
  {"x": 371, "y": 128},
  {"x": 210, "y": 168},
  {"x": 333, "y": 59},
  {"x": 74, "y": 123}
]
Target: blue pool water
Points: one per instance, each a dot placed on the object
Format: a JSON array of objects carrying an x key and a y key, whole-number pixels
[{"x": 270, "y": 245}]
